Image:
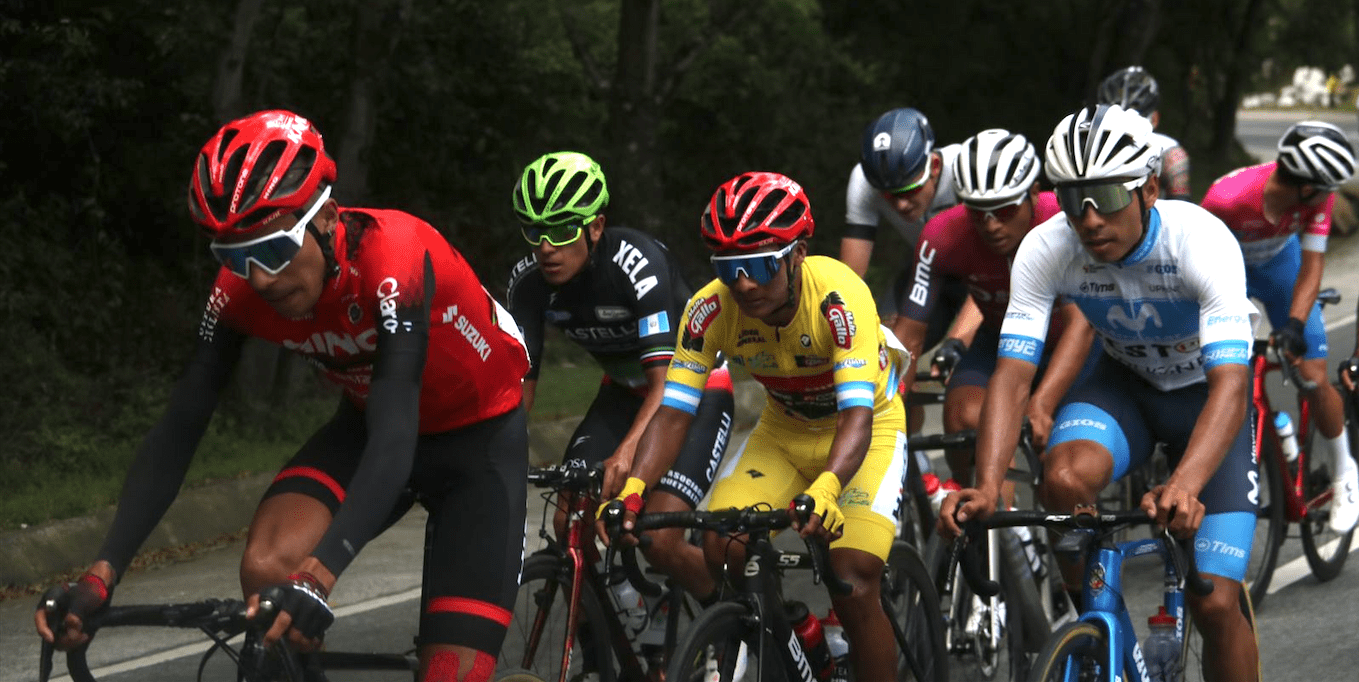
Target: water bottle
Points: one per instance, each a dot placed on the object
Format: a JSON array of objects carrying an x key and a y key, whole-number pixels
[
  {"x": 808, "y": 629},
  {"x": 1160, "y": 649},
  {"x": 1283, "y": 425},
  {"x": 628, "y": 602},
  {"x": 933, "y": 491},
  {"x": 837, "y": 645},
  {"x": 658, "y": 611}
]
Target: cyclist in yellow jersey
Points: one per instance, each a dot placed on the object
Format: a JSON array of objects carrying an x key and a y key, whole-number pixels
[{"x": 833, "y": 426}]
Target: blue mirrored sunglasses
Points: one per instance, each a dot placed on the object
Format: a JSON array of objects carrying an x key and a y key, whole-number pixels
[
  {"x": 270, "y": 253},
  {"x": 759, "y": 267}
]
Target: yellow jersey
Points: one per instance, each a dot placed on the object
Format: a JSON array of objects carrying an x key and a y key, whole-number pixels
[{"x": 831, "y": 356}]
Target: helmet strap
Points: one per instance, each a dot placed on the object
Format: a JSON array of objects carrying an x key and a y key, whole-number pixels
[{"x": 326, "y": 240}]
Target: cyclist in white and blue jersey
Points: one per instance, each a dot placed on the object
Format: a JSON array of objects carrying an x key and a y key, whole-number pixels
[{"x": 1165, "y": 287}]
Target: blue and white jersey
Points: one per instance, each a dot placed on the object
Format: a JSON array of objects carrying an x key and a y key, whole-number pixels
[{"x": 1173, "y": 309}]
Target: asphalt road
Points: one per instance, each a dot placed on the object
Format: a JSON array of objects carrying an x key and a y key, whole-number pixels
[{"x": 1306, "y": 628}]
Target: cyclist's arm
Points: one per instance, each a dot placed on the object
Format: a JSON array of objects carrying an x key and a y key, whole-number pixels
[
  {"x": 1068, "y": 357},
  {"x": 1174, "y": 174},
  {"x": 968, "y": 321},
  {"x": 855, "y": 251},
  {"x": 1215, "y": 429},
  {"x": 626, "y": 452},
  {"x": 392, "y": 414},
  {"x": 1308, "y": 284},
  {"x": 853, "y": 433},
  {"x": 156, "y": 474},
  {"x": 1007, "y": 396},
  {"x": 530, "y": 390},
  {"x": 524, "y": 299},
  {"x": 911, "y": 333},
  {"x": 660, "y": 443}
]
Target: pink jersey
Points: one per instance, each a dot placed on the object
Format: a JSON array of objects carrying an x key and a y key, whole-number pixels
[
  {"x": 951, "y": 248},
  {"x": 1235, "y": 199}
]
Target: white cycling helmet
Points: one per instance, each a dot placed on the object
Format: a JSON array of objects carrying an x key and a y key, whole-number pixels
[
  {"x": 995, "y": 167},
  {"x": 1317, "y": 153},
  {"x": 1106, "y": 141}
]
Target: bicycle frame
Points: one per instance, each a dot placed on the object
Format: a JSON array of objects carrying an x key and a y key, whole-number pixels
[
  {"x": 1296, "y": 505},
  {"x": 760, "y": 592},
  {"x": 1103, "y": 605}
]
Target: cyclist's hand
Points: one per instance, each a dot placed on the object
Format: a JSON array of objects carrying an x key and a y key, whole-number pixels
[
  {"x": 947, "y": 357},
  {"x": 1289, "y": 340},
  {"x": 1174, "y": 509},
  {"x": 299, "y": 610},
  {"x": 616, "y": 470},
  {"x": 827, "y": 521},
  {"x": 617, "y": 517},
  {"x": 61, "y": 612},
  {"x": 1349, "y": 373},
  {"x": 1040, "y": 423},
  {"x": 960, "y": 506}
]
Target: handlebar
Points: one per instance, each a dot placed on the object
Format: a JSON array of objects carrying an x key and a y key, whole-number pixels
[
  {"x": 568, "y": 478},
  {"x": 1180, "y": 551},
  {"x": 968, "y": 439}
]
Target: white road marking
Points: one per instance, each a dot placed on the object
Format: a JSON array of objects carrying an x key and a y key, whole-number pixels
[{"x": 1297, "y": 569}]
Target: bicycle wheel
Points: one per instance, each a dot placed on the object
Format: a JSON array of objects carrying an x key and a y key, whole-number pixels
[
  {"x": 536, "y": 638},
  {"x": 712, "y": 649},
  {"x": 1078, "y": 644},
  {"x": 1270, "y": 525},
  {"x": 1027, "y": 626},
  {"x": 1325, "y": 549},
  {"x": 910, "y": 599}
]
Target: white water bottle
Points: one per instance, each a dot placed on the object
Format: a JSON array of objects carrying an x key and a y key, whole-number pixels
[
  {"x": 628, "y": 602},
  {"x": 1288, "y": 439},
  {"x": 838, "y": 645},
  {"x": 934, "y": 491}
]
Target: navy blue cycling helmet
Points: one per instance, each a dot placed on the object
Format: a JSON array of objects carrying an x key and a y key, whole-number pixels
[{"x": 895, "y": 149}]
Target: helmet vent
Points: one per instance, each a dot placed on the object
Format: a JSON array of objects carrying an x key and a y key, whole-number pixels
[
  {"x": 297, "y": 174},
  {"x": 566, "y": 196}
]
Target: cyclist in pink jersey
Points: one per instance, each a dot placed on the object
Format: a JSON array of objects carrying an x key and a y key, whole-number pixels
[
  {"x": 431, "y": 369},
  {"x": 1281, "y": 214},
  {"x": 974, "y": 243}
]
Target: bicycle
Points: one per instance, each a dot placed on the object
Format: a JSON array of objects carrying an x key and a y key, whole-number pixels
[
  {"x": 221, "y": 620},
  {"x": 563, "y": 626},
  {"x": 1015, "y": 621},
  {"x": 1297, "y": 491},
  {"x": 714, "y": 640},
  {"x": 1102, "y": 643}
]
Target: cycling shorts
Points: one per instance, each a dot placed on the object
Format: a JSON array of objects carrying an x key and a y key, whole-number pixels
[
  {"x": 1128, "y": 416},
  {"x": 781, "y": 458},
  {"x": 615, "y": 408},
  {"x": 471, "y": 480},
  {"x": 1272, "y": 283}
]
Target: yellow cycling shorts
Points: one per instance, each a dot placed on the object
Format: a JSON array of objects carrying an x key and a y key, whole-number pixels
[{"x": 781, "y": 458}]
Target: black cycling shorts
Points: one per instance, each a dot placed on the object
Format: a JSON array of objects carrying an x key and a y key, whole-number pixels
[
  {"x": 471, "y": 480},
  {"x": 612, "y": 413}
]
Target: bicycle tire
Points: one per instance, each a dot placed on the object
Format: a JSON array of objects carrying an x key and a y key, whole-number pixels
[
  {"x": 909, "y": 595},
  {"x": 1079, "y": 643},
  {"x": 546, "y": 583},
  {"x": 715, "y": 637},
  {"x": 1316, "y": 529},
  {"x": 1027, "y": 623},
  {"x": 1271, "y": 526},
  {"x": 955, "y": 614}
]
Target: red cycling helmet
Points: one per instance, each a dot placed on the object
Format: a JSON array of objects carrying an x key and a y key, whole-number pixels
[
  {"x": 754, "y": 210},
  {"x": 255, "y": 169}
]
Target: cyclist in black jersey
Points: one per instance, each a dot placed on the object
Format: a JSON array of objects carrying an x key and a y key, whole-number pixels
[{"x": 618, "y": 293}]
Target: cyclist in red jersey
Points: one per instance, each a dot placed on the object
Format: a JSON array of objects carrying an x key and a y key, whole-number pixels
[
  {"x": 995, "y": 176},
  {"x": 431, "y": 370}
]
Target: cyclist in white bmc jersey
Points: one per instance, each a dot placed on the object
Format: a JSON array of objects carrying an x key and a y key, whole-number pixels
[
  {"x": 1165, "y": 288},
  {"x": 1134, "y": 88}
]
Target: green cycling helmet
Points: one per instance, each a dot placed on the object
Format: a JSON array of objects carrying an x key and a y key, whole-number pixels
[{"x": 561, "y": 189}]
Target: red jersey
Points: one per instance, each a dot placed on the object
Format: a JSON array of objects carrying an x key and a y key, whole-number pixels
[
  {"x": 392, "y": 268},
  {"x": 1235, "y": 199},
  {"x": 950, "y": 247}
]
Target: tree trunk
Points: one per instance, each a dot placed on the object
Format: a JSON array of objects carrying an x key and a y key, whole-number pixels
[
  {"x": 634, "y": 110},
  {"x": 1224, "y": 110},
  {"x": 227, "y": 103},
  {"x": 377, "y": 28}
]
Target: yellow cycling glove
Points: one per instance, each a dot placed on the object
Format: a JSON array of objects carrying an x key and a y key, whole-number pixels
[
  {"x": 825, "y": 492},
  {"x": 630, "y": 496}
]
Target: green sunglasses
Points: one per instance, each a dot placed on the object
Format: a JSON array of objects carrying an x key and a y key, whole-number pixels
[{"x": 560, "y": 235}]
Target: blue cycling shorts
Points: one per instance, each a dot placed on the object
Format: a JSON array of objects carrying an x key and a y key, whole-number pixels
[{"x": 1272, "y": 284}]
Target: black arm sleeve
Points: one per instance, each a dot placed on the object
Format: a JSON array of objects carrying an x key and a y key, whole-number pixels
[
  {"x": 524, "y": 299},
  {"x": 393, "y": 418},
  {"x": 164, "y": 456},
  {"x": 855, "y": 231}
]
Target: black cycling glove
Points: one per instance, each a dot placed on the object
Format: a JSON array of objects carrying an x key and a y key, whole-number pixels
[
  {"x": 949, "y": 354},
  {"x": 1289, "y": 339},
  {"x": 304, "y": 599},
  {"x": 81, "y": 598}
]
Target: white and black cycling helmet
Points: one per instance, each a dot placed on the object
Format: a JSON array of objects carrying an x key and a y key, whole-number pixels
[
  {"x": 1316, "y": 153},
  {"x": 1130, "y": 88},
  {"x": 995, "y": 167},
  {"x": 1102, "y": 142}
]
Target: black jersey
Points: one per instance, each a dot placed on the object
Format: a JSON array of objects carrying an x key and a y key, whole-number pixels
[{"x": 621, "y": 308}]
